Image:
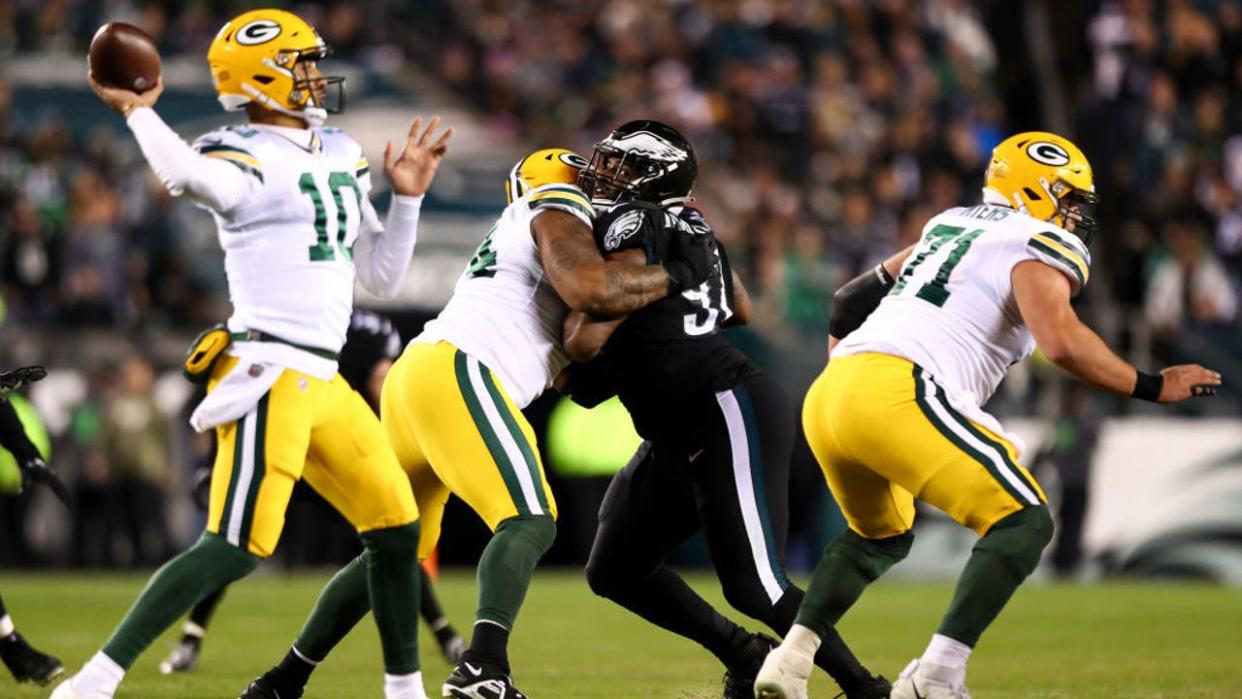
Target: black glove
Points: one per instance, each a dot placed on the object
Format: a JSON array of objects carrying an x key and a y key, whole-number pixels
[
  {"x": 13, "y": 380},
  {"x": 35, "y": 471},
  {"x": 689, "y": 259}
]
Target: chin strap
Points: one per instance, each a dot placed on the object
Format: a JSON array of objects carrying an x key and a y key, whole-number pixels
[{"x": 313, "y": 116}]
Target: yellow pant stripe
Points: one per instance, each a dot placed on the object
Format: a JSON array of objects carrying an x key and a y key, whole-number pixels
[{"x": 992, "y": 456}]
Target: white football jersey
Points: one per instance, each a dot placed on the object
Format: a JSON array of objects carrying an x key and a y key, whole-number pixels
[
  {"x": 952, "y": 309},
  {"x": 503, "y": 311},
  {"x": 288, "y": 244}
]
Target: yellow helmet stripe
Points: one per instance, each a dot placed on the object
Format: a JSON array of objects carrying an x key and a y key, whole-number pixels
[{"x": 1053, "y": 248}]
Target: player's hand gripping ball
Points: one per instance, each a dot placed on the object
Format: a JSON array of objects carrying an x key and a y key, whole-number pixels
[{"x": 125, "y": 57}]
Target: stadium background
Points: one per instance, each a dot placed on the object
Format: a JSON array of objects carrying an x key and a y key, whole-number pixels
[{"x": 828, "y": 132}]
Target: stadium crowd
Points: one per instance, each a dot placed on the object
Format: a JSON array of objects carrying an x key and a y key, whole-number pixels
[{"x": 827, "y": 131}]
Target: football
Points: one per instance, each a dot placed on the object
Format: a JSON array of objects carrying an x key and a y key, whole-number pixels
[{"x": 124, "y": 56}]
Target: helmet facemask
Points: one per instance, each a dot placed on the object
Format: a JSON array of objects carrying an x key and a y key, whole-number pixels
[
  {"x": 643, "y": 161},
  {"x": 312, "y": 94},
  {"x": 1076, "y": 209}
]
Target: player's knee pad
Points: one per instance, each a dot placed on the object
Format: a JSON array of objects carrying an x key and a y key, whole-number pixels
[
  {"x": 872, "y": 557},
  {"x": 536, "y": 532},
  {"x": 222, "y": 559},
  {"x": 1019, "y": 539},
  {"x": 392, "y": 541}
]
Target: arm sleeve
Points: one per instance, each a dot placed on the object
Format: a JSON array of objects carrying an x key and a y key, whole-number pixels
[
  {"x": 1061, "y": 250},
  {"x": 217, "y": 182},
  {"x": 382, "y": 253},
  {"x": 13, "y": 435}
]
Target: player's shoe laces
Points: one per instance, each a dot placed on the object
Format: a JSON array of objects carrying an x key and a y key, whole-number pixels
[
  {"x": 26, "y": 663},
  {"x": 784, "y": 674},
  {"x": 184, "y": 656},
  {"x": 452, "y": 645},
  {"x": 739, "y": 678},
  {"x": 471, "y": 680},
  {"x": 924, "y": 680},
  {"x": 269, "y": 685}
]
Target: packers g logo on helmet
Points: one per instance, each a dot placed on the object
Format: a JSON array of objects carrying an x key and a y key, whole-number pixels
[
  {"x": 264, "y": 56},
  {"x": 1045, "y": 176},
  {"x": 546, "y": 166}
]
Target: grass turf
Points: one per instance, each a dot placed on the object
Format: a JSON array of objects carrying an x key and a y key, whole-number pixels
[{"x": 1127, "y": 641}]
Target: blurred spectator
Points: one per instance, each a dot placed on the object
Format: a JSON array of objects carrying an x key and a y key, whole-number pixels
[
  {"x": 1189, "y": 286},
  {"x": 134, "y": 440},
  {"x": 1069, "y": 450}
]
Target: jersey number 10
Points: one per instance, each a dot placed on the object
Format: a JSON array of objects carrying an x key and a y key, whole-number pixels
[
  {"x": 323, "y": 250},
  {"x": 934, "y": 291}
]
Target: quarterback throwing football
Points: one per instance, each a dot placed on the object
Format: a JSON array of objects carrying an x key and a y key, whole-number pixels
[{"x": 290, "y": 200}]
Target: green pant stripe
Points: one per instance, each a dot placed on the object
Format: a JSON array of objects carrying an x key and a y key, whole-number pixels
[
  {"x": 515, "y": 431},
  {"x": 238, "y": 431},
  {"x": 260, "y": 467},
  {"x": 920, "y": 396},
  {"x": 996, "y": 446},
  {"x": 484, "y": 426}
]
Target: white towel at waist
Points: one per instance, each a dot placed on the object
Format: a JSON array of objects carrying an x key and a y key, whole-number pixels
[{"x": 239, "y": 391}]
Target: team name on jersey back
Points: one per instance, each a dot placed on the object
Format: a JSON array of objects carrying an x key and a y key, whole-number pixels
[{"x": 952, "y": 310}]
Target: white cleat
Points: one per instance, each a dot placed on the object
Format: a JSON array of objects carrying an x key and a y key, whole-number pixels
[
  {"x": 784, "y": 675},
  {"x": 65, "y": 690},
  {"x": 924, "y": 680}
]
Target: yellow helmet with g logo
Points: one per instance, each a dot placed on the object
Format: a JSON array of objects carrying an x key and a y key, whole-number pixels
[
  {"x": 547, "y": 166},
  {"x": 263, "y": 56},
  {"x": 1046, "y": 176}
]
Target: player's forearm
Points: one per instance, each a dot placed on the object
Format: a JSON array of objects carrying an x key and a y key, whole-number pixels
[
  {"x": 215, "y": 183},
  {"x": 625, "y": 289},
  {"x": 13, "y": 435},
  {"x": 584, "y": 337},
  {"x": 1084, "y": 355},
  {"x": 382, "y": 257}
]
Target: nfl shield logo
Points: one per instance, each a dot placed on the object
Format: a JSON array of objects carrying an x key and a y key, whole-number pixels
[{"x": 255, "y": 370}]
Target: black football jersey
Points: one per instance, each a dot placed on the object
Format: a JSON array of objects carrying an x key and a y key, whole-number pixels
[{"x": 674, "y": 347}]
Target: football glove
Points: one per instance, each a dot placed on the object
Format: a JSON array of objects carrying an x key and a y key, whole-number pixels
[
  {"x": 13, "y": 380},
  {"x": 35, "y": 471}
]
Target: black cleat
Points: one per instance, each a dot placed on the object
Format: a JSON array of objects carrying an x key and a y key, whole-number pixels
[
  {"x": 739, "y": 678},
  {"x": 26, "y": 663},
  {"x": 452, "y": 645},
  {"x": 184, "y": 656},
  {"x": 471, "y": 680},
  {"x": 874, "y": 688},
  {"x": 270, "y": 686}
]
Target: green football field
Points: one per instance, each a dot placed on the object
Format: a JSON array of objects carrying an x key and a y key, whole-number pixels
[{"x": 1115, "y": 640}]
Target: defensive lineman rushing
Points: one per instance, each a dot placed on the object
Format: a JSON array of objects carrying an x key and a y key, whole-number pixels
[
  {"x": 719, "y": 431},
  {"x": 452, "y": 406},
  {"x": 897, "y": 414},
  {"x": 290, "y": 200}
]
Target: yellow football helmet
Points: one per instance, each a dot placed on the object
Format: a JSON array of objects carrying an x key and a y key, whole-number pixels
[
  {"x": 262, "y": 56},
  {"x": 1045, "y": 176},
  {"x": 547, "y": 166}
]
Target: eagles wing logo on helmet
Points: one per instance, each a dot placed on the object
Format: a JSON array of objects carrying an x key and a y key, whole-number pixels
[
  {"x": 258, "y": 32},
  {"x": 1048, "y": 153},
  {"x": 647, "y": 144}
]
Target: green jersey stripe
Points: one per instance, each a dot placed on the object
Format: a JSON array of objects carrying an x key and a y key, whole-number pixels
[
  {"x": 1072, "y": 242},
  {"x": 246, "y": 169},
  {"x": 560, "y": 202},
  {"x": 484, "y": 426},
  {"x": 221, "y": 148},
  {"x": 515, "y": 431},
  {"x": 1060, "y": 257}
]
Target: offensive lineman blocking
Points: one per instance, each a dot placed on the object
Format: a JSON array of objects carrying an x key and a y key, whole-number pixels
[
  {"x": 290, "y": 201},
  {"x": 897, "y": 414},
  {"x": 451, "y": 406}
]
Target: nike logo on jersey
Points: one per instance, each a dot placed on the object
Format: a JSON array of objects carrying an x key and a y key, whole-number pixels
[{"x": 695, "y": 455}]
